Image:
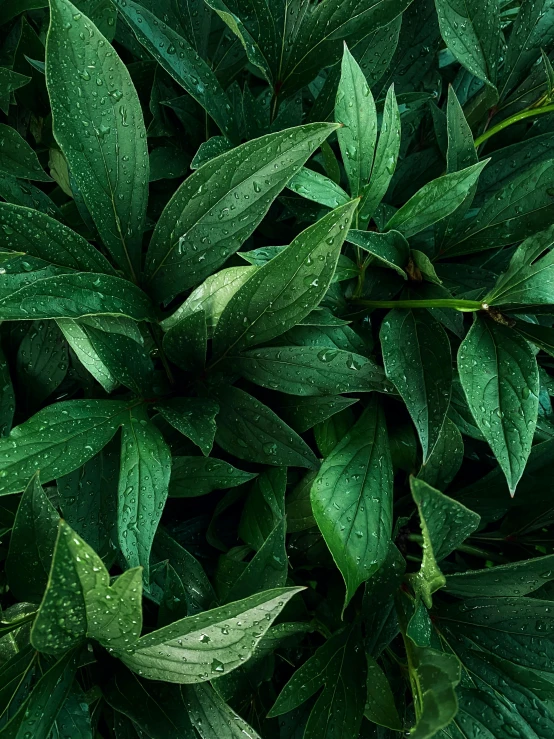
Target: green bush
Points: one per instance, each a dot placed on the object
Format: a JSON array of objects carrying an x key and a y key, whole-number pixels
[{"x": 277, "y": 329}]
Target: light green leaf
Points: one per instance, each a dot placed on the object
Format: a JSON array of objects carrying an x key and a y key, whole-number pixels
[
  {"x": 76, "y": 295},
  {"x": 282, "y": 292},
  {"x": 193, "y": 417},
  {"x": 213, "y": 718},
  {"x": 193, "y": 236},
  {"x": 386, "y": 157},
  {"x": 57, "y": 440},
  {"x": 32, "y": 543},
  {"x": 445, "y": 524},
  {"x": 352, "y": 499},
  {"x": 111, "y": 614},
  {"x": 143, "y": 486},
  {"x": 389, "y": 249},
  {"x": 471, "y": 30},
  {"x": 178, "y": 653},
  {"x": 182, "y": 62},
  {"x": 17, "y": 158},
  {"x": 416, "y": 354},
  {"x": 311, "y": 370},
  {"x": 193, "y": 476},
  {"x": 355, "y": 110},
  {"x": 250, "y": 430},
  {"x": 500, "y": 378},
  {"x": 315, "y": 186},
  {"x": 436, "y": 200},
  {"x": 98, "y": 124}
]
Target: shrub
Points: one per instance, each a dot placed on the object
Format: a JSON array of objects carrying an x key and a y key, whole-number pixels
[{"x": 277, "y": 442}]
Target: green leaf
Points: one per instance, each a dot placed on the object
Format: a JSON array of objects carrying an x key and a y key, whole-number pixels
[
  {"x": 541, "y": 336},
  {"x": 502, "y": 390},
  {"x": 531, "y": 31},
  {"x": 74, "y": 717},
  {"x": 36, "y": 234},
  {"x": 42, "y": 360},
  {"x": 193, "y": 476},
  {"x": 282, "y": 292},
  {"x": 78, "y": 340},
  {"x": 185, "y": 342},
  {"x": 250, "y": 430},
  {"x": 125, "y": 359},
  {"x": 17, "y": 158},
  {"x": 75, "y": 296},
  {"x": 212, "y": 717},
  {"x": 92, "y": 607},
  {"x": 98, "y": 124},
  {"x": 182, "y": 62},
  {"x": 311, "y": 370},
  {"x": 416, "y": 354},
  {"x": 434, "y": 678},
  {"x": 528, "y": 279},
  {"x": 303, "y": 413},
  {"x": 193, "y": 417},
  {"x": 143, "y": 486},
  {"x": 445, "y": 524},
  {"x": 352, "y": 499},
  {"x": 178, "y": 652},
  {"x": 9, "y": 82},
  {"x": 471, "y": 30},
  {"x": 446, "y": 458},
  {"x": 186, "y": 246},
  {"x": 386, "y": 157},
  {"x": 299, "y": 505},
  {"x": 31, "y": 544},
  {"x": 388, "y": 249},
  {"x": 315, "y": 186},
  {"x": 340, "y": 666},
  {"x": 264, "y": 507},
  {"x": 510, "y": 580},
  {"x": 380, "y": 708},
  {"x": 57, "y": 440},
  {"x": 436, "y": 200},
  {"x": 355, "y": 110},
  {"x": 7, "y": 397}
]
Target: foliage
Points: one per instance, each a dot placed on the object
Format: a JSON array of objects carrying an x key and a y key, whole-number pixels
[{"x": 277, "y": 340}]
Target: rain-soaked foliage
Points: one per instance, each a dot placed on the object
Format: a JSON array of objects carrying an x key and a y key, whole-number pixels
[{"x": 277, "y": 358}]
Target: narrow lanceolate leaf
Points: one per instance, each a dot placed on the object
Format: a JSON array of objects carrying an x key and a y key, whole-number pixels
[
  {"x": 125, "y": 359},
  {"x": 57, "y": 440},
  {"x": 143, "y": 485},
  {"x": 311, "y": 370},
  {"x": 445, "y": 524},
  {"x": 510, "y": 580},
  {"x": 446, "y": 458},
  {"x": 471, "y": 29},
  {"x": 416, "y": 354},
  {"x": 282, "y": 292},
  {"x": 193, "y": 476},
  {"x": 202, "y": 647},
  {"x": 499, "y": 374},
  {"x": 10, "y": 81},
  {"x": 17, "y": 158},
  {"x": 182, "y": 62},
  {"x": 31, "y": 544},
  {"x": 314, "y": 186},
  {"x": 78, "y": 340},
  {"x": 436, "y": 200},
  {"x": 7, "y": 397},
  {"x": 386, "y": 157},
  {"x": 92, "y": 607},
  {"x": 388, "y": 249},
  {"x": 217, "y": 208},
  {"x": 250, "y": 430},
  {"x": 434, "y": 677},
  {"x": 213, "y": 718},
  {"x": 355, "y": 109},
  {"x": 37, "y": 235},
  {"x": 193, "y": 417},
  {"x": 98, "y": 124},
  {"x": 352, "y": 499},
  {"x": 531, "y": 31},
  {"x": 75, "y": 296},
  {"x": 264, "y": 507}
]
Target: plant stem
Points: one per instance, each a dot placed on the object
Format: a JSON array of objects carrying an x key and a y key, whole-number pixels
[
  {"x": 466, "y": 306},
  {"x": 509, "y": 121}
]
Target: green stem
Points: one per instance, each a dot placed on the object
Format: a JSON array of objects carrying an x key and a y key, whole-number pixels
[
  {"x": 509, "y": 121},
  {"x": 466, "y": 306}
]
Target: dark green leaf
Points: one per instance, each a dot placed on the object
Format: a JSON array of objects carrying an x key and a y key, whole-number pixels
[
  {"x": 193, "y": 417},
  {"x": 17, "y": 158},
  {"x": 212, "y": 717},
  {"x": 192, "y": 476}
]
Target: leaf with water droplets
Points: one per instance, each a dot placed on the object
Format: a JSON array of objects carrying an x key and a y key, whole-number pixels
[
  {"x": 513, "y": 579},
  {"x": 282, "y": 292},
  {"x": 32, "y": 543},
  {"x": 212, "y": 717},
  {"x": 125, "y": 359},
  {"x": 532, "y": 30},
  {"x": 98, "y": 124},
  {"x": 380, "y": 708},
  {"x": 193, "y": 476},
  {"x": 185, "y": 343},
  {"x": 315, "y": 186},
  {"x": 217, "y": 208},
  {"x": 143, "y": 486},
  {"x": 193, "y": 417},
  {"x": 500, "y": 378},
  {"x": 445, "y": 523},
  {"x": 79, "y": 601},
  {"x": 9, "y": 82},
  {"x": 352, "y": 499},
  {"x": 185, "y": 651},
  {"x": 446, "y": 457},
  {"x": 17, "y": 158},
  {"x": 77, "y": 338},
  {"x": 57, "y": 440},
  {"x": 385, "y": 249},
  {"x": 416, "y": 353}
]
